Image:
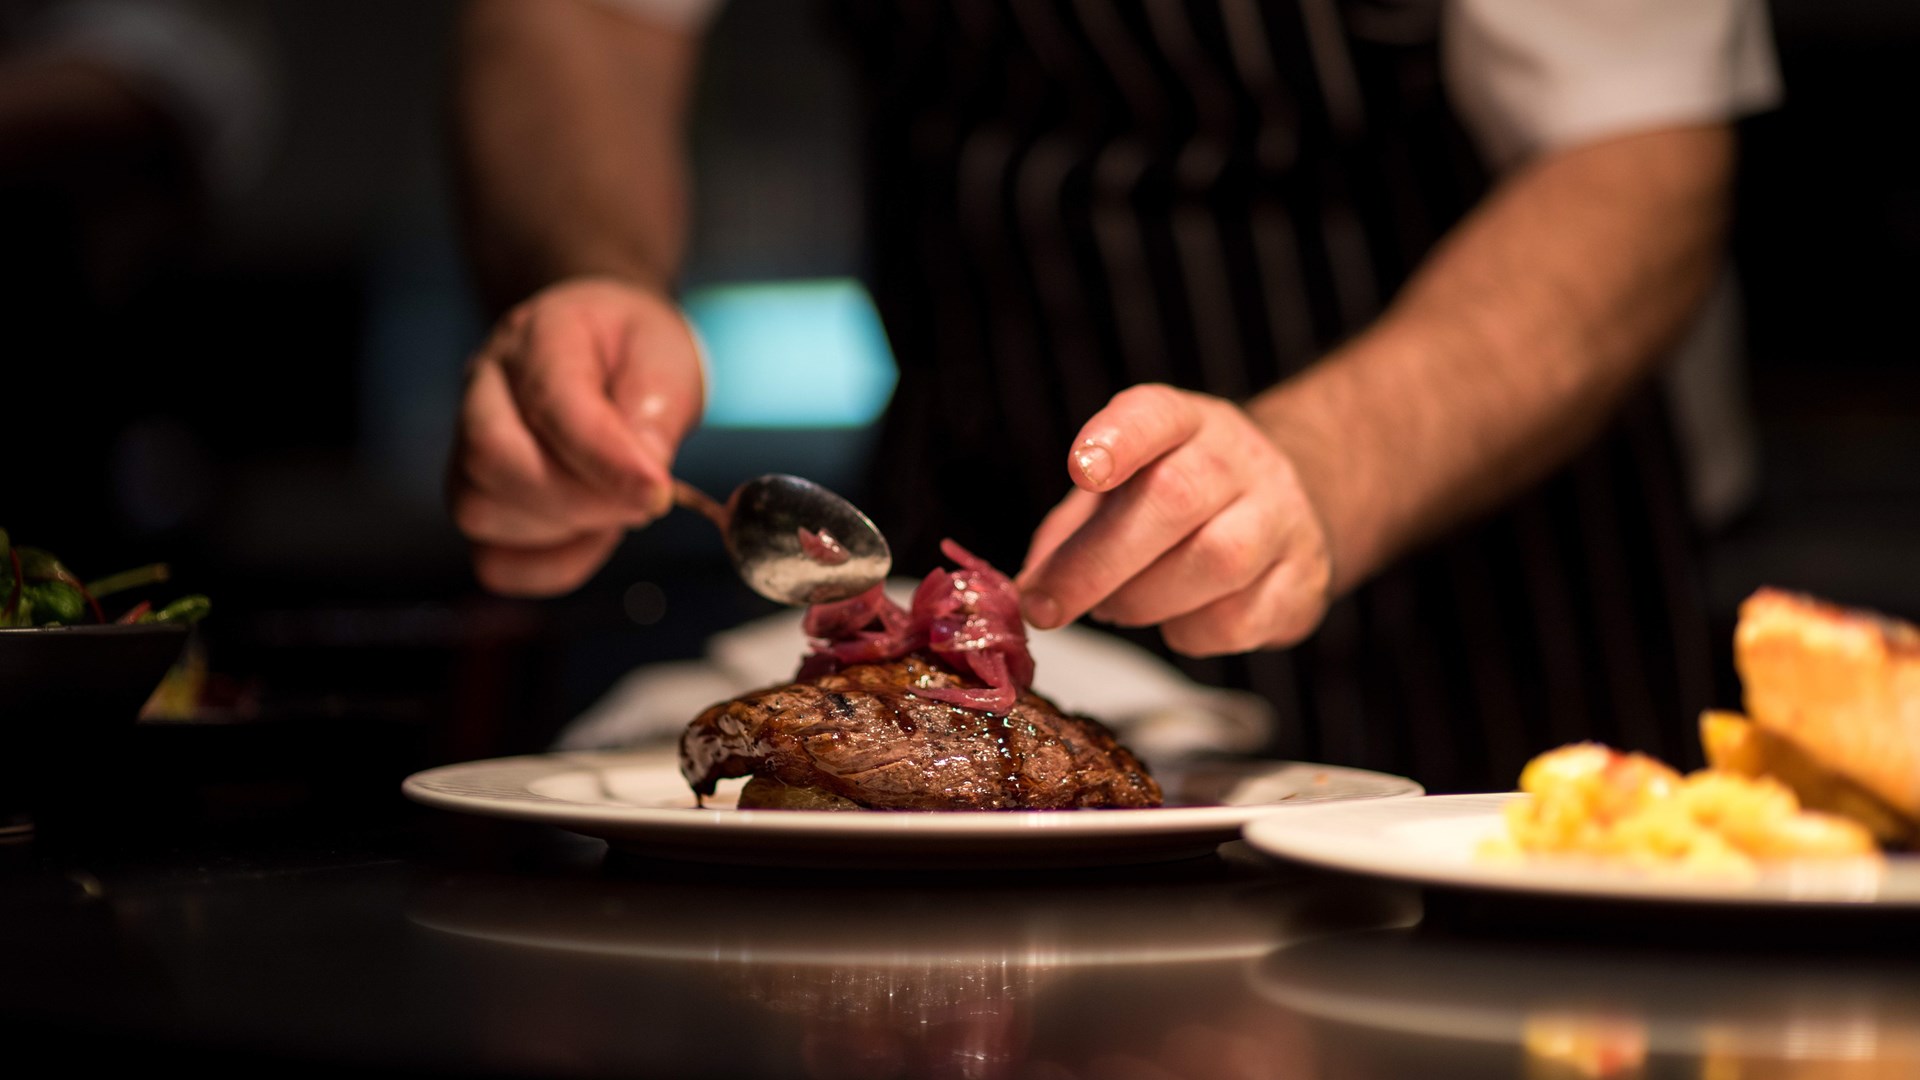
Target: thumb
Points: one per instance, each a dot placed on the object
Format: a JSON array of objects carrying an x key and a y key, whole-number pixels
[{"x": 659, "y": 386}]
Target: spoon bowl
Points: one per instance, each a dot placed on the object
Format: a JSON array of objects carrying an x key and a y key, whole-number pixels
[{"x": 795, "y": 542}]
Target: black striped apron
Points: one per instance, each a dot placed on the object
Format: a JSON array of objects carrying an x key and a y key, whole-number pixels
[{"x": 1073, "y": 196}]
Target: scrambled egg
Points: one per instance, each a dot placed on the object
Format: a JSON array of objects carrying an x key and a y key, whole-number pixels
[{"x": 1629, "y": 809}]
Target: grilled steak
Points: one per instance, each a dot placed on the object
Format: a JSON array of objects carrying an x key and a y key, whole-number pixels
[{"x": 862, "y": 734}]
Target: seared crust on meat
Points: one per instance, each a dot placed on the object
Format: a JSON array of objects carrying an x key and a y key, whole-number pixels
[
  {"x": 863, "y": 734},
  {"x": 1842, "y": 686}
]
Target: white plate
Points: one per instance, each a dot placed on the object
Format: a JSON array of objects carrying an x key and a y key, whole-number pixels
[
  {"x": 1432, "y": 841},
  {"x": 639, "y": 802}
]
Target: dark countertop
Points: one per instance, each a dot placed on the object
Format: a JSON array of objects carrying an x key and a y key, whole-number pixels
[{"x": 426, "y": 944}]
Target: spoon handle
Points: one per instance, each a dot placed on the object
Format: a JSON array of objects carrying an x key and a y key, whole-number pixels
[{"x": 688, "y": 497}]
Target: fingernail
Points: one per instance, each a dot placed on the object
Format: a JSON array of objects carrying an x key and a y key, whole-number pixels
[
  {"x": 649, "y": 499},
  {"x": 1095, "y": 462},
  {"x": 1040, "y": 609}
]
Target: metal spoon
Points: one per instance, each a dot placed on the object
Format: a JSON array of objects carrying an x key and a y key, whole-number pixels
[{"x": 793, "y": 541}]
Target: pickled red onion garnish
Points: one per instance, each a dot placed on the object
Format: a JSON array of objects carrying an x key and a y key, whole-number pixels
[
  {"x": 969, "y": 618},
  {"x": 821, "y": 547}
]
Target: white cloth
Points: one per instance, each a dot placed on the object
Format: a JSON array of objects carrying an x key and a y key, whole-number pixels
[
  {"x": 1158, "y": 712},
  {"x": 1528, "y": 76}
]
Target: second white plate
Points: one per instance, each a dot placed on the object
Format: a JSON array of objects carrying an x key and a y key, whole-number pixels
[
  {"x": 1433, "y": 841},
  {"x": 639, "y": 802}
]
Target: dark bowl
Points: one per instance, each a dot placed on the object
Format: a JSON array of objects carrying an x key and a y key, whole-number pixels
[{"x": 68, "y": 698}]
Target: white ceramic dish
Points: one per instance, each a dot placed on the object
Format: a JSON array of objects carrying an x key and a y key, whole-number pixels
[
  {"x": 638, "y": 802},
  {"x": 1433, "y": 840}
]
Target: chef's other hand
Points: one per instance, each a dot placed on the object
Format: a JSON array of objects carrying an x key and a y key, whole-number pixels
[
  {"x": 572, "y": 414},
  {"x": 1185, "y": 514}
]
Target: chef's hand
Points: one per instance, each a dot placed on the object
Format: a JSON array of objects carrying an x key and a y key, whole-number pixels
[
  {"x": 1187, "y": 515},
  {"x": 573, "y": 411}
]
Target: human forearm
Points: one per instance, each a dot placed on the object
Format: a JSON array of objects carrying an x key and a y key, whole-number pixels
[
  {"x": 569, "y": 119},
  {"x": 1511, "y": 345},
  {"x": 569, "y": 124}
]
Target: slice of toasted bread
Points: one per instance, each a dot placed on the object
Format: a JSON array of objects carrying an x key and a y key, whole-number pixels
[
  {"x": 1737, "y": 745},
  {"x": 1842, "y": 686}
]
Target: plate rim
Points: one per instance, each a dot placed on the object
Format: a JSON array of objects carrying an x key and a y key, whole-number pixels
[
  {"x": 1298, "y": 837},
  {"x": 428, "y": 788}
]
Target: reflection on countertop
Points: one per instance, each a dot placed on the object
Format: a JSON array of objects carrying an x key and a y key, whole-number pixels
[
  {"x": 459, "y": 947},
  {"x": 978, "y": 975},
  {"x": 1583, "y": 1008}
]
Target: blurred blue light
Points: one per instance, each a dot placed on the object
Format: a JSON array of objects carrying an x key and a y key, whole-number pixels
[{"x": 793, "y": 354}]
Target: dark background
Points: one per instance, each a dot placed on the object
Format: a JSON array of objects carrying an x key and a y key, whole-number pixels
[{"x": 272, "y": 411}]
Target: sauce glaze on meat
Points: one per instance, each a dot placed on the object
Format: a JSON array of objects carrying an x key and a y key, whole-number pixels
[{"x": 864, "y": 734}]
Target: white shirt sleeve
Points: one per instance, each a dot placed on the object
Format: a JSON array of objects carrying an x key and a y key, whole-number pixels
[
  {"x": 1527, "y": 76},
  {"x": 688, "y": 14}
]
